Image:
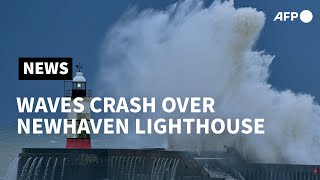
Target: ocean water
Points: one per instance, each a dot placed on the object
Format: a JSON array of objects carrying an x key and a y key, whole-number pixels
[{"x": 11, "y": 144}]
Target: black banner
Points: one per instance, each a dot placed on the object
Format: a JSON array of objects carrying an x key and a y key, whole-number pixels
[{"x": 45, "y": 68}]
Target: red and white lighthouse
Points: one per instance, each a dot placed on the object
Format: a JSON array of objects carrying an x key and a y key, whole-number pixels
[{"x": 82, "y": 140}]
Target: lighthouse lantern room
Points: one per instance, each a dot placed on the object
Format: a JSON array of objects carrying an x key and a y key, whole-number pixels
[{"x": 77, "y": 140}]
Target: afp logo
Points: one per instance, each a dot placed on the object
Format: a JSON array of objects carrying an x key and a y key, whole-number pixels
[
  {"x": 305, "y": 16},
  {"x": 45, "y": 68}
]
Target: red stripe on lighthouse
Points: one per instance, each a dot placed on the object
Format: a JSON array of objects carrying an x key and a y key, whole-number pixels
[{"x": 77, "y": 143}]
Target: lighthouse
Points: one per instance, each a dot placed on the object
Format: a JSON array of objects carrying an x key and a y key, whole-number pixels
[{"x": 79, "y": 89}]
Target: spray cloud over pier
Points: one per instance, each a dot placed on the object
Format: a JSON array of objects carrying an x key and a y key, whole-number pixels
[{"x": 190, "y": 49}]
